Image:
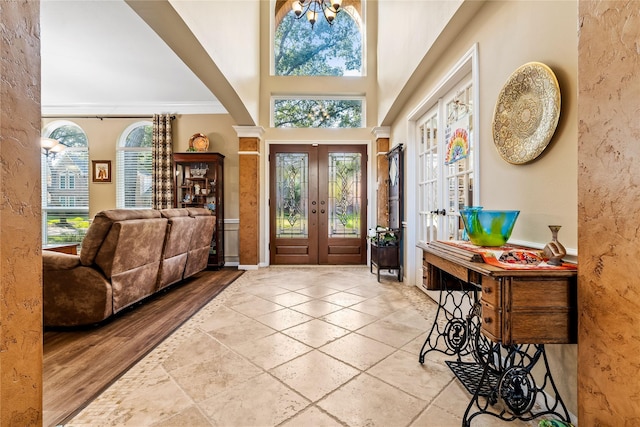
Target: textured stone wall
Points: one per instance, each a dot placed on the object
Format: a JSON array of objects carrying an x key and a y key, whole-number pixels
[
  {"x": 20, "y": 257},
  {"x": 249, "y": 233},
  {"x": 609, "y": 213},
  {"x": 382, "y": 185}
]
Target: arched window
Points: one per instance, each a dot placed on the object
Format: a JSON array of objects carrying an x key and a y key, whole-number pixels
[
  {"x": 134, "y": 167},
  {"x": 300, "y": 49},
  {"x": 65, "y": 185},
  {"x": 322, "y": 50}
]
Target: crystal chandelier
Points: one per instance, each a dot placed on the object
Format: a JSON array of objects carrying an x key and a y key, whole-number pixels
[{"x": 312, "y": 9}]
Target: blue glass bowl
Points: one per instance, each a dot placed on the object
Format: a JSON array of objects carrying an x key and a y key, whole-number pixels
[{"x": 488, "y": 228}]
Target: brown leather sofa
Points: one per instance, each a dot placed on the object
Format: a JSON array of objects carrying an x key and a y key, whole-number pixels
[{"x": 127, "y": 255}]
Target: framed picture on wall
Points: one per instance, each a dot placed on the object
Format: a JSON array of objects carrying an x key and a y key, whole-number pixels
[{"x": 101, "y": 170}]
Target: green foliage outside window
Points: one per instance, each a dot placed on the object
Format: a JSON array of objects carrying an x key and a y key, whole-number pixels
[
  {"x": 317, "y": 113},
  {"x": 70, "y": 135},
  {"x": 325, "y": 50}
]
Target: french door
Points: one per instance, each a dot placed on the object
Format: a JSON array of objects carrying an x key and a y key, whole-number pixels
[
  {"x": 317, "y": 204},
  {"x": 446, "y": 164}
]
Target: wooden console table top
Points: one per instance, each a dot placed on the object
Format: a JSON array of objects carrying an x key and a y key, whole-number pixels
[
  {"x": 473, "y": 262},
  {"x": 66, "y": 248}
]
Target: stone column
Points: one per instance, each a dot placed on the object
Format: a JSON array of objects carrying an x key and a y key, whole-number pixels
[
  {"x": 608, "y": 213},
  {"x": 382, "y": 174},
  {"x": 250, "y": 187},
  {"x": 20, "y": 213}
]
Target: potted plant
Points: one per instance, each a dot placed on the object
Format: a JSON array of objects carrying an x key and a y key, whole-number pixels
[{"x": 384, "y": 236}]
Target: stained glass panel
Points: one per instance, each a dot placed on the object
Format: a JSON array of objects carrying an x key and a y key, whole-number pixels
[
  {"x": 292, "y": 195},
  {"x": 345, "y": 196}
]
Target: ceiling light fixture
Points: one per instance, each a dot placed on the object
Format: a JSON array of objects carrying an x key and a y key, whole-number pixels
[
  {"x": 312, "y": 9},
  {"x": 50, "y": 145}
]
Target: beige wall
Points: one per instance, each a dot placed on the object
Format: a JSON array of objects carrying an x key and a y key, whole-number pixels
[
  {"x": 103, "y": 137},
  {"x": 508, "y": 35},
  {"x": 545, "y": 190},
  {"x": 400, "y": 48}
]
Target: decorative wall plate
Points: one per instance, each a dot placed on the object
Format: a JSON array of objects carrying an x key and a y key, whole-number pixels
[
  {"x": 199, "y": 142},
  {"x": 526, "y": 113}
]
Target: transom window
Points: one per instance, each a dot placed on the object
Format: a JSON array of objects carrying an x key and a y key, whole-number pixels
[
  {"x": 134, "y": 167},
  {"x": 316, "y": 112}
]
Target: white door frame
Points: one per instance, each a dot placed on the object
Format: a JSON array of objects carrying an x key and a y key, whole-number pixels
[{"x": 465, "y": 65}]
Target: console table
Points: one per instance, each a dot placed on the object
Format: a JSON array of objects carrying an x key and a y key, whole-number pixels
[{"x": 501, "y": 318}]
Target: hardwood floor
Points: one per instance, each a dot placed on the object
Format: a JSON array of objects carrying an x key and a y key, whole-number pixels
[{"x": 79, "y": 364}]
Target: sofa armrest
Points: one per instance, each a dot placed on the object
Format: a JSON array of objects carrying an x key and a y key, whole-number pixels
[
  {"x": 59, "y": 261},
  {"x": 75, "y": 296}
]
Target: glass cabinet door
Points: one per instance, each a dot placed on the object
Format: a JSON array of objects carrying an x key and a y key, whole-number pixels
[{"x": 199, "y": 183}]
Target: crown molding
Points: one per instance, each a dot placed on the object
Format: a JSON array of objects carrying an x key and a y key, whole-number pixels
[
  {"x": 381, "y": 132},
  {"x": 138, "y": 109}
]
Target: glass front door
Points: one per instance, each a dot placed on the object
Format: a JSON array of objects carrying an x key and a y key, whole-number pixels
[{"x": 318, "y": 204}]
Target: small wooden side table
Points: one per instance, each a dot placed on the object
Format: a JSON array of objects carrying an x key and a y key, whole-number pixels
[
  {"x": 65, "y": 248},
  {"x": 386, "y": 256}
]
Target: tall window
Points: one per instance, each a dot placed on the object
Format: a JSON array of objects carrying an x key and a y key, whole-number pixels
[
  {"x": 324, "y": 50},
  {"x": 65, "y": 185},
  {"x": 134, "y": 167}
]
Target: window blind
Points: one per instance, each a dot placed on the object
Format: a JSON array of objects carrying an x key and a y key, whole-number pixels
[{"x": 134, "y": 179}]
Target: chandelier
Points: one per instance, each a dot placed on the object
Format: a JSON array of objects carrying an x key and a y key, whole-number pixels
[{"x": 312, "y": 9}]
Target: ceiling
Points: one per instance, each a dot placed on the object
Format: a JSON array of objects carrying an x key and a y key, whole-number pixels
[{"x": 96, "y": 60}]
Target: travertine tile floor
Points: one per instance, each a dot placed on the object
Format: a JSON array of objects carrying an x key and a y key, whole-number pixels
[{"x": 294, "y": 346}]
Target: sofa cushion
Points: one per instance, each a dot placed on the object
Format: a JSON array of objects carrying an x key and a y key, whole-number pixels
[
  {"x": 101, "y": 225},
  {"x": 200, "y": 241},
  {"x": 131, "y": 244},
  {"x": 174, "y": 212},
  {"x": 199, "y": 212},
  {"x": 130, "y": 258},
  {"x": 176, "y": 246}
]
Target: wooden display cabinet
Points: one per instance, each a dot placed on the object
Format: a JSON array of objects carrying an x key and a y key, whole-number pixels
[{"x": 199, "y": 182}]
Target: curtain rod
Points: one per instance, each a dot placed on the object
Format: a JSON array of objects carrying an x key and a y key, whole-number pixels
[{"x": 101, "y": 117}]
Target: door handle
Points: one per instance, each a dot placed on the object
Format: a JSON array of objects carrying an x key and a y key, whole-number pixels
[
  {"x": 439, "y": 212},
  {"x": 321, "y": 210},
  {"x": 313, "y": 211}
]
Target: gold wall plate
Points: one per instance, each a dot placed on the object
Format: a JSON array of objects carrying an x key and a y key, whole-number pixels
[
  {"x": 526, "y": 113},
  {"x": 199, "y": 142}
]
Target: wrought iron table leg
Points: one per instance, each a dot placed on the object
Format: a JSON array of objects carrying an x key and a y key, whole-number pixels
[
  {"x": 454, "y": 338},
  {"x": 507, "y": 390}
]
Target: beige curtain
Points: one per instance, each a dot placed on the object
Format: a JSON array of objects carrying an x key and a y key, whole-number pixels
[{"x": 162, "y": 166}]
